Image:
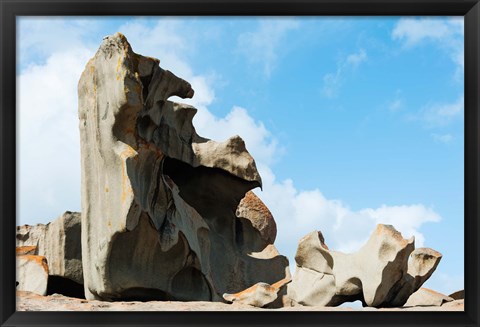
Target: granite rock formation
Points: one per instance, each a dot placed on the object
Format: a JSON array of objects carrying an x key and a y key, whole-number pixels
[
  {"x": 59, "y": 242},
  {"x": 159, "y": 202},
  {"x": 32, "y": 273},
  {"x": 379, "y": 274}
]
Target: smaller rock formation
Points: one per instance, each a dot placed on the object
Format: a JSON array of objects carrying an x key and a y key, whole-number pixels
[
  {"x": 427, "y": 297},
  {"x": 379, "y": 274},
  {"x": 258, "y": 295},
  {"x": 32, "y": 273},
  {"x": 59, "y": 241}
]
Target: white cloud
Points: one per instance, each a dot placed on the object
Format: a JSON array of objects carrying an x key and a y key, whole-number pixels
[
  {"x": 264, "y": 45},
  {"x": 446, "y": 33},
  {"x": 48, "y": 137},
  {"x": 300, "y": 212},
  {"x": 332, "y": 82}
]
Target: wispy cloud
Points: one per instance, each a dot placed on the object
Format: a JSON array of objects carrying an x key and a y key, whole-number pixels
[
  {"x": 447, "y": 34},
  {"x": 332, "y": 82},
  {"x": 263, "y": 45},
  {"x": 397, "y": 103},
  {"x": 440, "y": 114},
  {"x": 442, "y": 138},
  {"x": 36, "y": 42}
]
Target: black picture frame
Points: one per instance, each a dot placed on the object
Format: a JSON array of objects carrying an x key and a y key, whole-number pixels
[{"x": 10, "y": 9}]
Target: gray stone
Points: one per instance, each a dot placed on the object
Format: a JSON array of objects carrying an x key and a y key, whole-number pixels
[
  {"x": 32, "y": 274},
  {"x": 422, "y": 264},
  {"x": 427, "y": 297},
  {"x": 159, "y": 201},
  {"x": 329, "y": 278},
  {"x": 59, "y": 241}
]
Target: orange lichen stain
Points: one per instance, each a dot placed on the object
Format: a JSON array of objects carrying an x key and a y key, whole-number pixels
[
  {"x": 40, "y": 259},
  {"x": 247, "y": 292},
  {"x": 126, "y": 186},
  {"x": 280, "y": 283},
  {"x": 26, "y": 250},
  {"x": 119, "y": 62}
]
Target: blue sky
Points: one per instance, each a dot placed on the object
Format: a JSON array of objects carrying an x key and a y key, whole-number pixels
[{"x": 352, "y": 121}]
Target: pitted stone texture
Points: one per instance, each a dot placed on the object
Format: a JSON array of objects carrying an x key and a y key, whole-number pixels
[
  {"x": 59, "y": 241},
  {"x": 32, "y": 274},
  {"x": 253, "y": 209},
  {"x": 158, "y": 200},
  {"x": 379, "y": 274}
]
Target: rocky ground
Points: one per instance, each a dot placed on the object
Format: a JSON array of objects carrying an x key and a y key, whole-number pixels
[{"x": 27, "y": 301}]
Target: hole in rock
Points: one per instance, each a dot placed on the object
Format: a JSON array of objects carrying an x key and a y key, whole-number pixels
[
  {"x": 65, "y": 286},
  {"x": 213, "y": 192},
  {"x": 190, "y": 285}
]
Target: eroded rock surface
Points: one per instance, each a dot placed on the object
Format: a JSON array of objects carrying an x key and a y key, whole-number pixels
[
  {"x": 59, "y": 242},
  {"x": 427, "y": 297},
  {"x": 379, "y": 274},
  {"x": 159, "y": 201},
  {"x": 32, "y": 273},
  {"x": 258, "y": 295}
]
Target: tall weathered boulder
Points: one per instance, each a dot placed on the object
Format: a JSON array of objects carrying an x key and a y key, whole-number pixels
[
  {"x": 59, "y": 242},
  {"x": 159, "y": 202},
  {"x": 379, "y": 274}
]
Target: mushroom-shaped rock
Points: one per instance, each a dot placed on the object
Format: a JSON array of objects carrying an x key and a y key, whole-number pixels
[
  {"x": 32, "y": 274},
  {"x": 158, "y": 200},
  {"x": 427, "y": 297},
  {"x": 329, "y": 278},
  {"x": 258, "y": 295}
]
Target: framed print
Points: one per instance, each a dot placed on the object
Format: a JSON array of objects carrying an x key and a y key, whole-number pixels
[{"x": 273, "y": 163}]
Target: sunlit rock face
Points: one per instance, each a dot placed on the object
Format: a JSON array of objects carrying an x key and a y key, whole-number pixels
[
  {"x": 31, "y": 272},
  {"x": 59, "y": 242},
  {"x": 160, "y": 202},
  {"x": 383, "y": 273}
]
